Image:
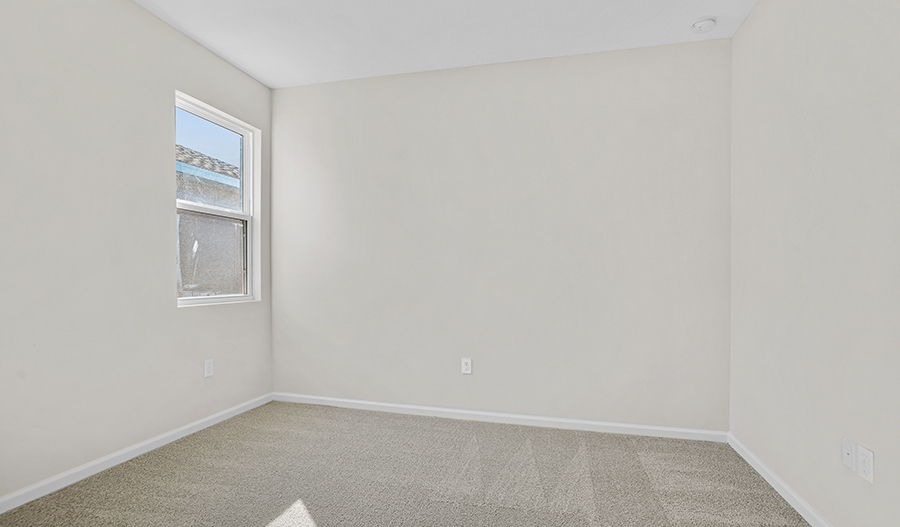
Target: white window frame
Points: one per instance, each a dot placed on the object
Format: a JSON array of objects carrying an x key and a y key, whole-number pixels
[{"x": 251, "y": 170}]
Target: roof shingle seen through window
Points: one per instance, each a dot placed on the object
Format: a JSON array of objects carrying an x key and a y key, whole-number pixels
[{"x": 192, "y": 157}]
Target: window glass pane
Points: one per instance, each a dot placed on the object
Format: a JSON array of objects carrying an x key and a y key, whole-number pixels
[
  {"x": 211, "y": 255},
  {"x": 207, "y": 162}
]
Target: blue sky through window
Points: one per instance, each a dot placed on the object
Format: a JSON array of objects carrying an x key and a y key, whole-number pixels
[{"x": 207, "y": 138}]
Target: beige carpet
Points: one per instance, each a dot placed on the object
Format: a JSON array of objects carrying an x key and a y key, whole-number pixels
[{"x": 286, "y": 464}]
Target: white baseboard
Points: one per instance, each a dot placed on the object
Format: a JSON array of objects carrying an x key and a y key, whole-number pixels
[
  {"x": 42, "y": 488},
  {"x": 799, "y": 504},
  {"x": 507, "y": 418}
]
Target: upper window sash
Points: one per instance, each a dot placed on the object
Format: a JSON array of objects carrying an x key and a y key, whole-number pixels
[{"x": 248, "y": 155}]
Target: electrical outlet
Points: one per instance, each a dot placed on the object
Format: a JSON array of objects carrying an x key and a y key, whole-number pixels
[
  {"x": 865, "y": 464},
  {"x": 208, "y": 368},
  {"x": 467, "y": 366},
  {"x": 858, "y": 459},
  {"x": 848, "y": 454}
]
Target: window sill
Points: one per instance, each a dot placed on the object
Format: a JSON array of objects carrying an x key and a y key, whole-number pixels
[{"x": 192, "y": 301}]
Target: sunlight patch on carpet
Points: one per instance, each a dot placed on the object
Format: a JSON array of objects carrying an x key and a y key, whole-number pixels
[{"x": 294, "y": 516}]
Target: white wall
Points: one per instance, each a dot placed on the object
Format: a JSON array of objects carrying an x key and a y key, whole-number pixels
[
  {"x": 94, "y": 354},
  {"x": 816, "y": 249},
  {"x": 563, "y": 222}
]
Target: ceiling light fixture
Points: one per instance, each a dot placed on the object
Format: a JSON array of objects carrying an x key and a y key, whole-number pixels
[{"x": 704, "y": 25}]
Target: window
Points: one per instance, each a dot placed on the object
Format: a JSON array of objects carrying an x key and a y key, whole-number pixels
[{"x": 216, "y": 175}]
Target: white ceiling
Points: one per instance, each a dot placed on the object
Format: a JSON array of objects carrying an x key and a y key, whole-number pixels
[{"x": 295, "y": 42}]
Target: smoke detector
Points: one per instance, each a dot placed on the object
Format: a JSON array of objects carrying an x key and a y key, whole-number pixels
[{"x": 704, "y": 25}]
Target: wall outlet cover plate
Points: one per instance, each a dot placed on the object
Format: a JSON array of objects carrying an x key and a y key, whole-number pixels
[
  {"x": 865, "y": 464},
  {"x": 467, "y": 366}
]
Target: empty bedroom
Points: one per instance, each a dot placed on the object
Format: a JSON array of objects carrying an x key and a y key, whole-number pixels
[{"x": 491, "y": 263}]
